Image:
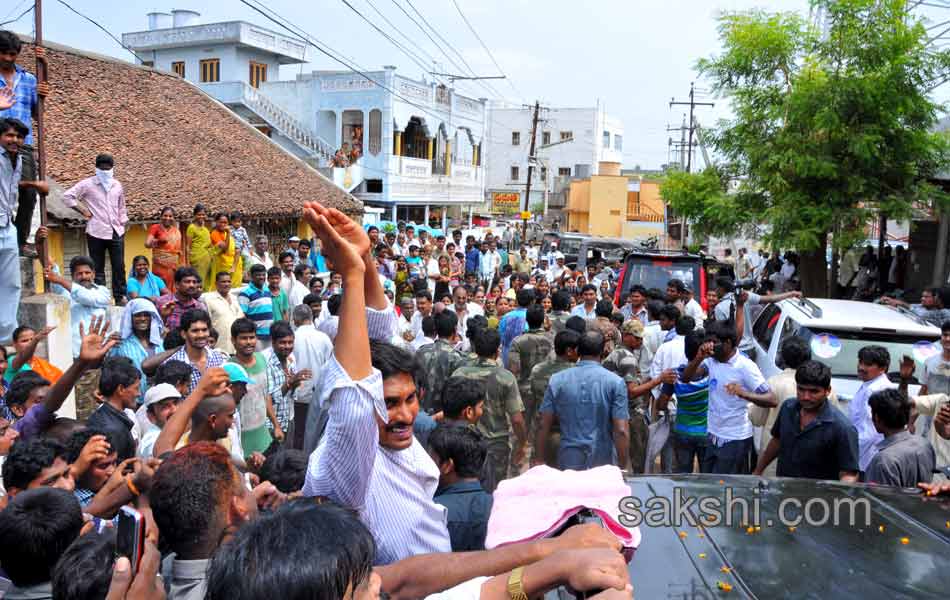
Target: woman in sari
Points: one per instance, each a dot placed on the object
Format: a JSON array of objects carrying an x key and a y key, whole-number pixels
[
  {"x": 164, "y": 239},
  {"x": 223, "y": 250},
  {"x": 198, "y": 246}
]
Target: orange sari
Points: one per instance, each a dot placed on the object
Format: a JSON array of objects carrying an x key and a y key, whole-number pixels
[{"x": 166, "y": 253}]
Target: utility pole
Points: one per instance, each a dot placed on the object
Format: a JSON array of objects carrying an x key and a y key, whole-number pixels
[
  {"x": 692, "y": 123},
  {"x": 42, "y": 76},
  {"x": 531, "y": 159}
]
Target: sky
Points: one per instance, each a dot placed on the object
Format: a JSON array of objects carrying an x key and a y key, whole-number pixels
[{"x": 633, "y": 56}]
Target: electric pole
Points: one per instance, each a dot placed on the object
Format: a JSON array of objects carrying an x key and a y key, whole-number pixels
[
  {"x": 531, "y": 159},
  {"x": 692, "y": 123},
  {"x": 39, "y": 133}
]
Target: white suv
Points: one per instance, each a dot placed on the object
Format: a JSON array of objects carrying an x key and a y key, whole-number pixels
[{"x": 850, "y": 326}]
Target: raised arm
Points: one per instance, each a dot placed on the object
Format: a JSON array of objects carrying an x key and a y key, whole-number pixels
[
  {"x": 95, "y": 345},
  {"x": 695, "y": 369},
  {"x": 150, "y": 365},
  {"x": 212, "y": 383},
  {"x": 23, "y": 356}
]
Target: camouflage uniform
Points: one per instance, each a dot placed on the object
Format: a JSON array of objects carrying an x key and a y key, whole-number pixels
[
  {"x": 634, "y": 367},
  {"x": 607, "y": 329},
  {"x": 558, "y": 320},
  {"x": 526, "y": 351},
  {"x": 502, "y": 401},
  {"x": 540, "y": 376},
  {"x": 438, "y": 362}
]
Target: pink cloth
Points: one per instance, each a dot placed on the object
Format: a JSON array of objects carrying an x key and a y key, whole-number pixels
[
  {"x": 107, "y": 208},
  {"x": 539, "y": 501}
]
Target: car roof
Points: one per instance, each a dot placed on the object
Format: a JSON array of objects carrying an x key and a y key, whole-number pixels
[
  {"x": 898, "y": 546},
  {"x": 851, "y": 315}
]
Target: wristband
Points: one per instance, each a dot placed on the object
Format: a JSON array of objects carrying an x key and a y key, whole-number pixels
[{"x": 131, "y": 486}]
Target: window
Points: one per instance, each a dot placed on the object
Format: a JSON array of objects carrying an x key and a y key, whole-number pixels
[
  {"x": 564, "y": 172},
  {"x": 210, "y": 70},
  {"x": 606, "y": 139},
  {"x": 178, "y": 68},
  {"x": 515, "y": 138},
  {"x": 567, "y": 135},
  {"x": 375, "y": 131},
  {"x": 258, "y": 74},
  {"x": 515, "y": 173},
  {"x": 544, "y": 174},
  {"x": 764, "y": 327},
  {"x": 545, "y": 138},
  {"x": 618, "y": 142}
]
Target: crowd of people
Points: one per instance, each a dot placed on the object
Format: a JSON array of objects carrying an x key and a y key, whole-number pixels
[{"x": 349, "y": 405}]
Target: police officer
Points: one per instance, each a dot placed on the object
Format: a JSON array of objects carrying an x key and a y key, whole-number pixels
[
  {"x": 565, "y": 349},
  {"x": 503, "y": 414},
  {"x": 529, "y": 349},
  {"x": 439, "y": 360}
]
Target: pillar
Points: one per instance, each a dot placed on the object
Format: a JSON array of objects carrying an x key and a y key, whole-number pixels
[
  {"x": 444, "y": 218},
  {"x": 425, "y": 220},
  {"x": 475, "y": 155},
  {"x": 40, "y": 310},
  {"x": 430, "y": 146},
  {"x": 397, "y": 143},
  {"x": 448, "y": 157},
  {"x": 469, "y": 216},
  {"x": 394, "y": 214}
]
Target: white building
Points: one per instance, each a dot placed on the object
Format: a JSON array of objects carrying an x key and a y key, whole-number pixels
[
  {"x": 419, "y": 143},
  {"x": 570, "y": 143}
]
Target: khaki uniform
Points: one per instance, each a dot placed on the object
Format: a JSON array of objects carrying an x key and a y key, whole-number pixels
[
  {"x": 558, "y": 320},
  {"x": 634, "y": 367},
  {"x": 438, "y": 362},
  {"x": 502, "y": 401},
  {"x": 526, "y": 351},
  {"x": 540, "y": 376}
]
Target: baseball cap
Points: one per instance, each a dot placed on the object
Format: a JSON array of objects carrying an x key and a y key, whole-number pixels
[
  {"x": 162, "y": 391},
  {"x": 293, "y": 238},
  {"x": 236, "y": 373},
  {"x": 632, "y": 327}
]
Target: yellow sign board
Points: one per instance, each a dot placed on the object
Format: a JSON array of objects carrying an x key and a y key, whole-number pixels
[
  {"x": 505, "y": 201},
  {"x": 525, "y": 214}
]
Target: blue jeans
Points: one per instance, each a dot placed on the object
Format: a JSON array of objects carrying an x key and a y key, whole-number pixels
[
  {"x": 686, "y": 449},
  {"x": 10, "y": 280},
  {"x": 731, "y": 458}
]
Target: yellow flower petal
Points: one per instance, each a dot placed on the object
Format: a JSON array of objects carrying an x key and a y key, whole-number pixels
[
  {"x": 880, "y": 528},
  {"x": 725, "y": 569}
]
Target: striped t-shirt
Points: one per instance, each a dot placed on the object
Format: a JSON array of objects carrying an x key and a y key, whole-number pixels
[
  {"x": 692, "y": 405},
  {"x": 257, "y": 306}
]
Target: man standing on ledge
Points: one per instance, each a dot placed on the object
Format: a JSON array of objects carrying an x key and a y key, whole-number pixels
[{"x": 104, "y": 208}]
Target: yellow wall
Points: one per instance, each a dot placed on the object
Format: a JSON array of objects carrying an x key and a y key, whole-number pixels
[
  {"x": 650, "y": 201},
  {"x": 608, "y": 205},
  {"x": 135, "y": 245},
  {"x": 578, "y": 205}
]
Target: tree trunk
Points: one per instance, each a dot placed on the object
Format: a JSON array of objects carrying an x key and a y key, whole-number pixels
[{"x": 813, "y": 270}]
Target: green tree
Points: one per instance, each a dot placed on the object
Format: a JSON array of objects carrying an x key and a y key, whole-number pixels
[{"x": 827, "y": 132}]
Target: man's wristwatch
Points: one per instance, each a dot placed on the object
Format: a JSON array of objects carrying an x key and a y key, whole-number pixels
[{"x": 515, "y": 585}]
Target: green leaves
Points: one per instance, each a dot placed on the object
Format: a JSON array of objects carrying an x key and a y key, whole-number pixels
[{"x": 826, "y": 130}]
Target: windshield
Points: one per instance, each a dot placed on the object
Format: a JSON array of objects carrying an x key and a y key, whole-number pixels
[
  {"x": 656, "y": 272},
  {"x": 840, "y": 352}
]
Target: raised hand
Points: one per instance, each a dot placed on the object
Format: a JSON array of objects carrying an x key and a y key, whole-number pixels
[
  {"x": 96, "y": 449},
  {"x": 343, "y": 245},
  {"x": 907, "y": 367},
  {"x": 145, "y": 585},
  {"x": 7, "y": 99},
  {"x": 214, "y": 382},
  {"x": 347, "y": 228},
  {"x": 95, "y": 344}
]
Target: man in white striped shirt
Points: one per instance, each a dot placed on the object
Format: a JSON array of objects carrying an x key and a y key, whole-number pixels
[{"x": 368, "y": 458}]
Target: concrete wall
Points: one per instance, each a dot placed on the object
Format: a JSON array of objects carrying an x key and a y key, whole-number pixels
[
  {"x": 608, "y": 205},
  {"x": 231, "y": 69},
  {"x": 586, "y": 124}
]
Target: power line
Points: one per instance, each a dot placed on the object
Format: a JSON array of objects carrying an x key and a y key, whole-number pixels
[
  {"x": 425, "y": 32},
  {"x": 485, "y": 46},
  {"x": 107, "y": 32},
  {"x": 401, "y": 32},
  {"x": 412, "y": 56},
  {"x": 20, "y": 16}
]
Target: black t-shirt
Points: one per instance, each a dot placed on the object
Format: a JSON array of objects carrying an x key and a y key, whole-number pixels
[
  {"x": 107, "y": 418},
  {"x": 827, "y": 445}
]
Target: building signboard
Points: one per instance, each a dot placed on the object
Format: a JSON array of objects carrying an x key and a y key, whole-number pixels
[{"x": 505, "y": 201}]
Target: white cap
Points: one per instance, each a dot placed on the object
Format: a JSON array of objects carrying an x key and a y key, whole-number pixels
[
  {"x": 162, "y": 391},
  {"x": 293, "y": 238},
  {"x": 558, "y": 256}
]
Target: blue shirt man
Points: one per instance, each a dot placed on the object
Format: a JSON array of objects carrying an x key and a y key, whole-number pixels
[
  {"x": 590, "y": 403},
  {"x": 472, "y": 256}
]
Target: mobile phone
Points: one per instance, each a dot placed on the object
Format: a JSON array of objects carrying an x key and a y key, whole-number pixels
[{"x": 130, "y": 538}]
